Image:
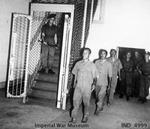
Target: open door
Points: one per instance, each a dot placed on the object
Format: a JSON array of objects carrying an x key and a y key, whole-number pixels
[
  {"x": 18, "y": 59},
  {"x": 64, "y": 66},
  {"x": 68, "y": 11}
]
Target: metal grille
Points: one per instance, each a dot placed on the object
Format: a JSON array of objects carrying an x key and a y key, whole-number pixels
[
  {"x": 18, "y": 56},
  {"x": 38, "y": 19}
]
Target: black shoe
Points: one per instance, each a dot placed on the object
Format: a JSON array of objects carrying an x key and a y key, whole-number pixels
[
  {"x": 85, "y": 119},
  {"x": 121, "y": 96},
  {"x": 51, "y": 71},
  {"x": 108, "y": 104},
  {"x": 127, "y": 98},
  {"x": 73, "y": 120},
  {"x": 139, "y": 99},
  {"x": 143, "y": 100},
  {"x": 98, "y": 111},
  {"x": 42, "y": 70}
]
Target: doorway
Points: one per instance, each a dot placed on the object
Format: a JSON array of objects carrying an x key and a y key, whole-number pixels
[
  {"x": 137, "y": 62},
  {"x": 57, "y": 89}
]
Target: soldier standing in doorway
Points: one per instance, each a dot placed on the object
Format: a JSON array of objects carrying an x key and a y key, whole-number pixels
[
  {"x": 49, "y": 42},
  {"x": 127, "y": 76}
]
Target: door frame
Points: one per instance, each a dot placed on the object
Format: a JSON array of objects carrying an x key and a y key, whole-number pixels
[{"x": 64, "y": 66}]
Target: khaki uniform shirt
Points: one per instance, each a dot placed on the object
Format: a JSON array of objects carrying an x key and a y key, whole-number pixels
[
  {"x": 116, "y": 65},
  {"x": 104, "y": 71},
  {"x": 85, "y": 72}
]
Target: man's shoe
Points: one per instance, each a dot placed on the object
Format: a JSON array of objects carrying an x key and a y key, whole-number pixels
[
  {"x": 73, "y": 120},
  {"x": 98, "y": 111},
  {"x": 144, "y": 100},
  {"x": 127, "y": 98},
  {"x": 85, "y": 119},
  {"x": 139, "y": 99},
  {"x": 51, "y": 71},
  {"x": 120, "y": 96},
  {"x": 42, "y": 70},
  {"x": 101, "y": 109},
  {"x": 108, "y": 104}
]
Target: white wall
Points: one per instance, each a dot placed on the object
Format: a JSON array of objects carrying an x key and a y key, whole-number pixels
[
  {"x": 126, "y": 24},
  {"x": 6, "y": 9}
]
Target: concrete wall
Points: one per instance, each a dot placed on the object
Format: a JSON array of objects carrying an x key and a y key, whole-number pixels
[
  {"x": 6, "y": 10},
  {"x": 126, "y": 24}
]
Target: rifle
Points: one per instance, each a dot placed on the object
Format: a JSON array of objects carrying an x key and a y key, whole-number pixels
[{"x": 52, "y": 45}]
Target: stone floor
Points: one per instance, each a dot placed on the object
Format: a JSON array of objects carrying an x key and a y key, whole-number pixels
[{"x": 121, "y": 115}]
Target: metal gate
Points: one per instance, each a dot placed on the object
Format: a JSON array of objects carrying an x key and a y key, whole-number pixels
[{"x": 19, "y": 54}]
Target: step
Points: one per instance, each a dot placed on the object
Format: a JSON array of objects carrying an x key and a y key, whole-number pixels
[
  {"x": 40, "y": 101},
  {"x": 47, "y": 77},
  {"x": 36, "y": 93},
  {"x": 57, "y": 52},
  {"x": 56, "y": 70},
  {"x": 56, "y": 58},
  {"x": 45, "y": 86},
  {"x": 56, "y": 63}
]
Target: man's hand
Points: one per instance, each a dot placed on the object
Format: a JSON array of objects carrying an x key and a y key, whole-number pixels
[
  {"x": 45, "y": 43},
  {"x": 108, "y": 87},
  {"x": 119, "y": 78},
  {"x": 92, "y": 87}
]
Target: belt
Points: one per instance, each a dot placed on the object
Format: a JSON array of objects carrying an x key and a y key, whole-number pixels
[{"x": 52, "y": 45}]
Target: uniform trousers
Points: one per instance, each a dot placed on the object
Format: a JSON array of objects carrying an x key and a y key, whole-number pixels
[
  {"x": 113, "y": 88},
  {"x": 81, "y": 94},
  {"x": 144, "y": 87},
  {"x": 100, "y": 95},
  {"x": 47, "y": 56}
]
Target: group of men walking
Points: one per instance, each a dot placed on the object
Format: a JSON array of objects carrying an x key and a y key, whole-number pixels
[{"x": 102, "y": 76}]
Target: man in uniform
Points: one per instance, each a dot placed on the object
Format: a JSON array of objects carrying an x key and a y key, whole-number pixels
[
  {"x": 138, "y": 61},
  {"x": 116, "y": 67},
  {"x": 127, "y": 76},
  {"x": 84, "y": 82},
  {"x": 49, "y": 42},
  {"x": 145, "y": 79},
  {"x": 103, "y": 82}
]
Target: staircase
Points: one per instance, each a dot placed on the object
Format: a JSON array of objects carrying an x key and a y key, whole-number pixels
[{"x": 45, "y": 90}]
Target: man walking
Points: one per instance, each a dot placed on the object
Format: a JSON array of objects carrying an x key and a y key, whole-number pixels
[
  {"x": 116, "y": 67},
  {"x": 103, "y": 82},
  {"x": 85, "y": 80}
]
